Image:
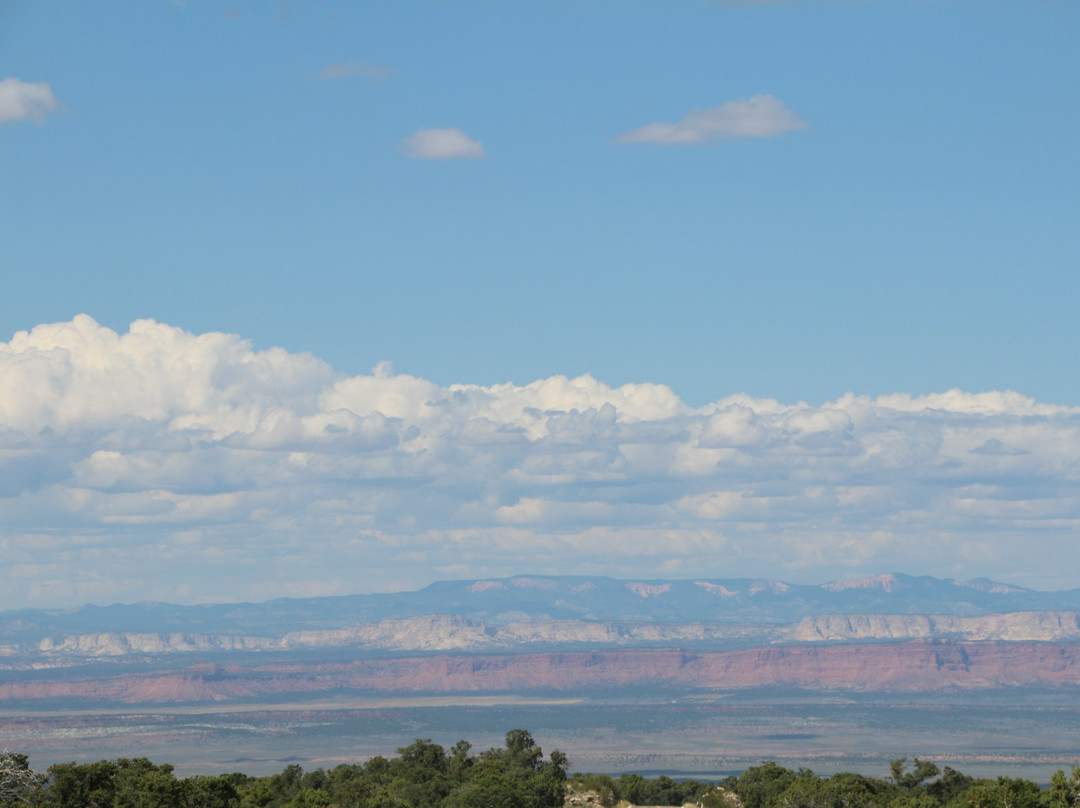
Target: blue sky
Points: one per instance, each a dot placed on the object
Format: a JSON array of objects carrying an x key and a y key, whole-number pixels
[{"x": 792, "y": 201}]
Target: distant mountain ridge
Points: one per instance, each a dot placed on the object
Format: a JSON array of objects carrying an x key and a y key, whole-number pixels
[
  {"x": 898, "y": 632},
  {"x": 582, "y": 597},
  {"x": 512, "y": 613}
]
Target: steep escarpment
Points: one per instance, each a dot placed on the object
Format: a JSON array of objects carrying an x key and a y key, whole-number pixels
[
  {"x": 454, "y": 633},
  {"x": 1043, "y": 626},
  {"x": 424, "y": 633},
  {"x": 908, "y": 666},
  {"x": 566, "y": 634}
]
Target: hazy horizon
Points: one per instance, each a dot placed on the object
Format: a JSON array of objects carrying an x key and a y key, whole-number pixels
[{"x": 524, "y": 576}]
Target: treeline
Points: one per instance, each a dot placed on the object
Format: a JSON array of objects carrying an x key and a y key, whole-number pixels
[
  {"x": 770, "y": 785},
  {"x": 425, "y": 775}
]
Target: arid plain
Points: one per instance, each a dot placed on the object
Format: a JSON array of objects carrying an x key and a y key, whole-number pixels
[{"x": 702, "y": 677}]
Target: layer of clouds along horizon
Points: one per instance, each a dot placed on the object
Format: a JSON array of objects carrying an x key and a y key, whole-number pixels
[{"x": 161, "y": 464}]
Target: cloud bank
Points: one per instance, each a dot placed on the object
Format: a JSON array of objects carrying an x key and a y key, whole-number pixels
[
  {"x": 25, "y": 101},
  {"x": 441, "y": 144},
  {"x": 167, "y": 465},
  {"x": 754, "y": 117}
]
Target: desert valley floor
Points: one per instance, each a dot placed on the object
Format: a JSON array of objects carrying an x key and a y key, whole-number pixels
[{"x": 1021, "y": 734}]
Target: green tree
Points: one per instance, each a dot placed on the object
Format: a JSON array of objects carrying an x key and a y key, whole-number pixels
[
  {"x": 758, "y": 785},
  {"x": 274, "y": 791},
  {"x": 212, "y": 792},
  {"x": 915, "y": 800},
  {"x": 138, "y": 783},
  {"x": 514, "y": 777},
  {"x": 1064, "y": 791},
  {"x": 922, "y": 771},
  {"x": 631, "y": 787},
  {"x": 310, "y": 798},
  {"x": 458, "y": 762},
  {"x": 350, "y": 786},
  {"x": 844, "y": 790},
  {"x": 1005, "y": 792},
  {"x": 949, "y": 786},
  {"x": 86, "y": 785},
  {"x": 18, "y": 783}
]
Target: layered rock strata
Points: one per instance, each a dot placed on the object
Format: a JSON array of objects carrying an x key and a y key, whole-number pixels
[{"x": 906, "y": 666}]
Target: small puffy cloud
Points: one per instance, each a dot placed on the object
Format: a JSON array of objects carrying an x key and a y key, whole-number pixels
[
  {"x": 441, "y": 144},
  {"x": 347, "y": 70},
  {"x": 162, "y": 464},
  {"x": 754, "y": 117},
  {"x": 25, "y": 101}
]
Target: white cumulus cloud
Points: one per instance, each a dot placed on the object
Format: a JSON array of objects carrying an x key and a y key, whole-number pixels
[
  {"x": 754, "y": 117},
  {"x": 25, "y": 101},
  {"x": 162, "y": 464},
  {"x": 441, "y": 144}
]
